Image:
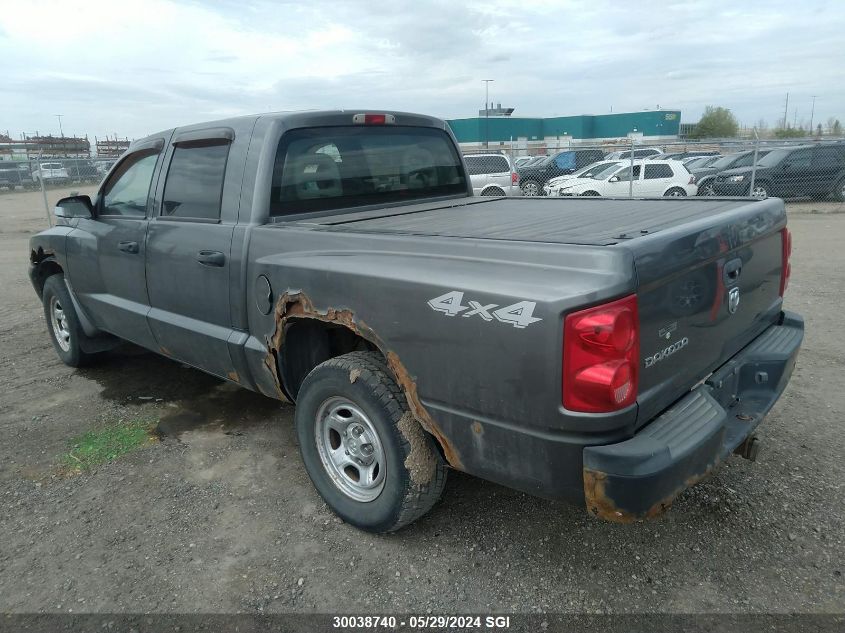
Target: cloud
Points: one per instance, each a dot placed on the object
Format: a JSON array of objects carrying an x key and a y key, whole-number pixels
[{"x": 141, "y": 65}]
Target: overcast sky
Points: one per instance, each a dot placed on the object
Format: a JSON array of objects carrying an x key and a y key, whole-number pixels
[{"x": 135, "y": 67}]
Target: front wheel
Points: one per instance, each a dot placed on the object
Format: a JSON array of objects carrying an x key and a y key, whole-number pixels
[
  {"x": 707, "y": 189},
  {"x": 675, "y": 192},
  {"x": 63, "y": 323},
  {"x": 367, "y": 456},
  {"x": 590, "y": 193},
  {"x": 761, "y": 190},
  {"x": 530, "y": 189},
  {"x": 839, "y": 191}
]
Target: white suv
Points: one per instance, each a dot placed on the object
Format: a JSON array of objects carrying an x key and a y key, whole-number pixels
[
  {"x": 651, "y": 178},
  {"x": 492, "y": 175},
  {"x": 50, "y": 173}
]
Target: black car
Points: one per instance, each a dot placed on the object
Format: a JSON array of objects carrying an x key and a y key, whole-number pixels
[
  {"x": 815, "y": 171},
  {"x": 683, "y": 155},
  {"x": 704, "y": 176},
  {"x": 534, "y": 176}
]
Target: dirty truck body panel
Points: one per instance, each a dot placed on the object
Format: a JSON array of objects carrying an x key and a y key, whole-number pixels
[{"x": 466, "y": 298}]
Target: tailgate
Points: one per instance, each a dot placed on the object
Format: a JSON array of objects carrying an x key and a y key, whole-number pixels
[{"x": 705, "y": 290}]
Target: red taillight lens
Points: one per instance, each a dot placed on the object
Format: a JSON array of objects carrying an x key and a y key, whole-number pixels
[
  {"x": 514, "y": 178},
  {"x": 692, "y": 179},
  {"x": 601, "y": 356},
  {"x": 786, "y": 253}
]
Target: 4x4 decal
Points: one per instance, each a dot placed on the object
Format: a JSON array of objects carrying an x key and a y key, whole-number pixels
[{"x": 519, "y": 314}]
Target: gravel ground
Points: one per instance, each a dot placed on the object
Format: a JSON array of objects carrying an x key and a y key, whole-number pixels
[{"x": 222, "y": 517}]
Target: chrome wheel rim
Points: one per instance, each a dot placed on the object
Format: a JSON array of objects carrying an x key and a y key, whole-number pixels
[
  {"x": 759, "y": 192},
  {"x": 58, "y": 321},
  {"x": 350, "y": 449},
  {"x": 530, "y": 189},
  {"x": 708, "y": 191}
]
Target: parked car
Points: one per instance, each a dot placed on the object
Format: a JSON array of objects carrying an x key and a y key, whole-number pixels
[
  {"x": 697, "y": 162},
  {"x": 339, "y": 260},
  {"x": 103, "y": 166},
  {"x": 523, "y": 160},
  {"x": 50, "y": 173},
  {"x": 492, "y": 175},
  {"x": 81, "y": 170},
  {"x": 705, "y": 175},
  {"x": 11, "y": 175},
  {"x": 650, "y": 178},
  {"x": 585, "y": 172},
  {"x": 533, "y": 177},
  {"x": 640, "y": 152},
  {"x": 690, "y": 154},
  {"x": 816, "y": 171}
]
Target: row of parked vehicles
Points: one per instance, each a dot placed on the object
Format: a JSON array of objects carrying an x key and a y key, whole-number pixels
[
  {"x": 29, "y": 175},
  {"x": 814, "y": 171}
]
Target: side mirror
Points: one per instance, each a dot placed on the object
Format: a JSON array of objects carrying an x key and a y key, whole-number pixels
[
  {"x": 74, "y": 207},
  {"x": 613, "y": 179}
]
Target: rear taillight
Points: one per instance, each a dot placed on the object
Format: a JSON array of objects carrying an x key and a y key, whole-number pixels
[
  {"x": 692, "y": 179},
  {"x": 786, "y": 253},
  {"x": 601, "y": 351},
  {"x": 514, "y": 178}
]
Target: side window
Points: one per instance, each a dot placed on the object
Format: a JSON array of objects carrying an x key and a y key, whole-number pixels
[
  {"x": 800, "y": 158},
  {"x": 194, "y": 186},
  {"x": 128, "y": 190},
  {"x": 745, "y": 161},
  {"x": 625, "y": 174},
  {"x": 661, "y": 170},
  {"x": 565, "y": 160},
  {"x": 828, "y": 158}
]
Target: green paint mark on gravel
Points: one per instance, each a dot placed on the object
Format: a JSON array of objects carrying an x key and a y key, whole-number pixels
[{"x": 107, "y": 443}]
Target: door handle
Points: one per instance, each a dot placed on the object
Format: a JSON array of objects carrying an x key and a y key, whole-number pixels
[
  {"x": 128, "y": 247},
  {"x": 732, "y": 270},
  {"x": 211, "y": 258}
]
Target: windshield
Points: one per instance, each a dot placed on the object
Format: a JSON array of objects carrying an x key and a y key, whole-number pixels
[
  {"x": 318, "y": 169},
  {"x": 725, "y": 161},
  {"x": 602, "y": 171},
  {"x": 773, "y": 158}
]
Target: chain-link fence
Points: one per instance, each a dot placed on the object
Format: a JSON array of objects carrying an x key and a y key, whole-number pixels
[
  {"x": 51, "y": 173},
  {"x": 795, "y": 169}
]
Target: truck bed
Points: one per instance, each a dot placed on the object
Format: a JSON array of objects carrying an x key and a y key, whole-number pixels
[{"x": 585, "y": 221}]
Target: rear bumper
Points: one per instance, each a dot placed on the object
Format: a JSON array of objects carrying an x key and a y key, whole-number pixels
[{"x": 640, "y": 477}]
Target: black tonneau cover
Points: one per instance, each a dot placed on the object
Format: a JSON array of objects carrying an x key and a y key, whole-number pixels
[{"x": 586, "y": 221}]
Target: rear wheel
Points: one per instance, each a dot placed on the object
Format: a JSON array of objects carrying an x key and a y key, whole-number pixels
[
  {"x": 63, "y": 323},
  {"x": 367, "y": 456},
  {"x": 675, "y": 192},
  {"x": 590, "y": 193},
  {"x": 530, "y": 188}
]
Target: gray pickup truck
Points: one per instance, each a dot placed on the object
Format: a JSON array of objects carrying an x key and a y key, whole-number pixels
[{"x": 610, "y": 352}]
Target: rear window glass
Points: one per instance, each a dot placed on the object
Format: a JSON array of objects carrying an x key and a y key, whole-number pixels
[
  {"x": 477, "y": 165},
  {"x": 327, "y": 168},
  {"x": 661, "y": 170}
]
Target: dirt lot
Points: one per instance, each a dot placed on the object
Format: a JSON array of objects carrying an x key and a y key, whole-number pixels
[{"x": 223, "y": 518}]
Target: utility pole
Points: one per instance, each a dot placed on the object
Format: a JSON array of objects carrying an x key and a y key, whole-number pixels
[
  {"x": 59, "y": 117},
  {"x": 785, "y": 111},
  {"x": 812, "y": 112},
  {"x": 487, "y": 112}
]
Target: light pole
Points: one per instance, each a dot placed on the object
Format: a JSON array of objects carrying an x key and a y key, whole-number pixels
[
  {"x": 487, "y": 112},
  {"x": 812, "y": 112},
  {"x": 59, "y": 117}
]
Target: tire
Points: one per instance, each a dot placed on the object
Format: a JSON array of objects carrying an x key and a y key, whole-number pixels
[
  {"x": 531, "y": 189},
  {"x": 706, "y": 189},
  {"x": 354, "y": 396},
  {"x": 62, "y": 322},
  {"x": 839, "y": 191},
  {"x": 590, "y": 193},
  {"x": 761, "y": 190},
  {"x": 675, "y": 192},
  {"x": 493, "y": 191}
]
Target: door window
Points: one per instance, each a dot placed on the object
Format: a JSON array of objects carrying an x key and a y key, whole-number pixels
[
  {"x": 828, "y": 158},
  {"x": 625, "y": 174},
  {"x": 194, "y": 186},
  {"x": 660, "y": 170},
  {"x": 800, "y": 158},
  {"x": 127, "y": 191}
]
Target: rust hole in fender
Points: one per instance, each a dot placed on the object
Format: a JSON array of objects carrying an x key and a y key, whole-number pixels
[{"x": 297, "y": 305}]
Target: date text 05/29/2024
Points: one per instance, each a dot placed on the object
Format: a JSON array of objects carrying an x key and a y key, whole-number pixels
[{"x": 435, "y": 622}]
